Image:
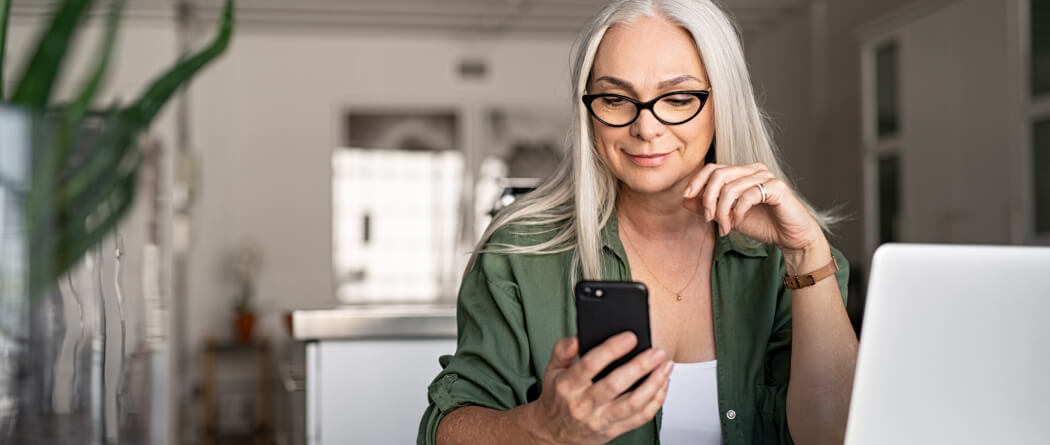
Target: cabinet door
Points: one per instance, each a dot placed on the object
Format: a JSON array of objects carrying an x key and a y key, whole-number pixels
[{"x": 370, "y": 391}]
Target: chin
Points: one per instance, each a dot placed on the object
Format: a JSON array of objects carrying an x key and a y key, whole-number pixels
[{"x": 649, "y": 183}]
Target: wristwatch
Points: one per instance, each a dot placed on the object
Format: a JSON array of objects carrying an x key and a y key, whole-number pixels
[{"x": 800, "y": 281}]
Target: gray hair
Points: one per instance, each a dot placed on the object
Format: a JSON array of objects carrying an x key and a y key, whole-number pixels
[{"x": 581, "y": 195}]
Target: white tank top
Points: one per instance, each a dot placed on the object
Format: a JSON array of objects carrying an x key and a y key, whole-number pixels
[{"x": 691, "y": 406}]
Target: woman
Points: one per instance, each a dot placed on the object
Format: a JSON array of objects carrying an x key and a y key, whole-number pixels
[{"x": 711, "y": 228}]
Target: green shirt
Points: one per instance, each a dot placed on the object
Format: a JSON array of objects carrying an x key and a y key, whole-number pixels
[{"x": 513, "y": 308}]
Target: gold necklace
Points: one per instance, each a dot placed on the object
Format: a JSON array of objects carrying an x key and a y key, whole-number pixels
[{"x": 678, "y": 295}]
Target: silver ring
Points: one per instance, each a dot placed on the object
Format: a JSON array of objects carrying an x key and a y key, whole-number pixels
[{"x": 762, "y": 189}]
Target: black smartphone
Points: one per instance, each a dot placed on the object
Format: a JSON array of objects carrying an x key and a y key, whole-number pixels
[{"x": 607, "y": 308}]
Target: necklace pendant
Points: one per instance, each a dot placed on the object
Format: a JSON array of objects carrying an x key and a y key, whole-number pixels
[{"x": 679, "y": 297}]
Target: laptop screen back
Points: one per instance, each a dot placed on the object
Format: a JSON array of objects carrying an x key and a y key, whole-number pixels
[{"x": 955, "y": 347}]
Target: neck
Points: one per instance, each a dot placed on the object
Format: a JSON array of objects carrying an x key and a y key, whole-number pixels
[{"x": 658, "y": 216}]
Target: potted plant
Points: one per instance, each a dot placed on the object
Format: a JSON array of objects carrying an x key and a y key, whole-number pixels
[
  {"x": 68, "y": 175},
  {"x": 245, "y": 263}
]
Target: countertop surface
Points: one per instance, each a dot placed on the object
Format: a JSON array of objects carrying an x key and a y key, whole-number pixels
[{"x": 376, "y": 321}]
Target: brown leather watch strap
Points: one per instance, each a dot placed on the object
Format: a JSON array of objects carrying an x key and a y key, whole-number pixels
[{"x": 805, "y": 280}]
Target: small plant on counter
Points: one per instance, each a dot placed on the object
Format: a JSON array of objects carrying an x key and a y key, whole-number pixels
[{"x": 245, "y": 264}]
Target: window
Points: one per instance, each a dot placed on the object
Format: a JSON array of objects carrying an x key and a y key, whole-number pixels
[
  {"x": 882, "y": 142},
  {"x": 1038, "y": 120},
  {"x": 1040, "y": 35},
  {"x": 1041, "y": 176},
  {"x": 396, "y": 192},
  {"x": 412, "y": 193},
  {"x": 886, "y": 104},
  {"x": 889, "y": 197}
]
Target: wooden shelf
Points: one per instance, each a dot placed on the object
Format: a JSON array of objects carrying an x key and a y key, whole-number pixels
[{"x": 214, "y": 352}]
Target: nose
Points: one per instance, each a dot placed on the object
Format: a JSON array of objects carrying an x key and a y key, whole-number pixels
[{"x": 646, "y": 127}]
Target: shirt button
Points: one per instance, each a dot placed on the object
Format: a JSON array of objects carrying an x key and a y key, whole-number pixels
[{"x": 730, "y": 414}]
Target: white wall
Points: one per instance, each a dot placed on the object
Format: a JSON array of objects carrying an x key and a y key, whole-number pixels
[
  {"x": 781, "y": 63},
  {"x": 956, "y": 153},
  {"x": 265, "y": 122}
]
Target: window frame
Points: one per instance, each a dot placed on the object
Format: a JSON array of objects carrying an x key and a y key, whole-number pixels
[{"x": 1033, "y": 109}]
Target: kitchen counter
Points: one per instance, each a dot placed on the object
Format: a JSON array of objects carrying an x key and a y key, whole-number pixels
[
  {"x": 386, "y": 321},
  {"x": 368, "y": 367}
]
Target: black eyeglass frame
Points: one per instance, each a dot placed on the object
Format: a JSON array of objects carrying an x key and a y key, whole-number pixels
[{"x": 702, "y": 95}]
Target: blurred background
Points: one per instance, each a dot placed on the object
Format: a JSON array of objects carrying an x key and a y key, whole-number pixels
[{"x": 344, "y": 156}]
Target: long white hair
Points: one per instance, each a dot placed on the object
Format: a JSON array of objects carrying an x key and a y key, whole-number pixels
[{"x": 581, "y": 195}]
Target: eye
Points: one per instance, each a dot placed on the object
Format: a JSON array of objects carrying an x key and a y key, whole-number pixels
[
  {"x": 612, "y": 101},
  {"x": 680, "y": 100}
]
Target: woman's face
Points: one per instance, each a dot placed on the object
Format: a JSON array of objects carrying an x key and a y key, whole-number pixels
[{"x": 643, "y": 60}]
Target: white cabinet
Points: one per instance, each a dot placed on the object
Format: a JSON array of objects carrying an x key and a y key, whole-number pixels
[
  {"x": 369, "y": 391},
  {"x": 367, "y": 370}
]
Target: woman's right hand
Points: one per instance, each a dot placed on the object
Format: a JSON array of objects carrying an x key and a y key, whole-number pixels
[{"x": 573, "y": 410}]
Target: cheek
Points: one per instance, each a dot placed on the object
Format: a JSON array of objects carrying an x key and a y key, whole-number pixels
[
  {"x": 698, "y": 135},
  {"x": 605, "y": 139},
  {"x": 695, "y": 139}
]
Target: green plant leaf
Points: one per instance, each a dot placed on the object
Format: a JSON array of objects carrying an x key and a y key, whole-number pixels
[
  {"x": 75, "y": 111},
  {"x": 5, "y": 11},
  {"x": 98, "y": 165},
  {"x": 48, "y": 215},
  {"x": 89, "y": 229},
  {"x": 76, "y": 233},
  {"x": 37, "y": 82},
  {"x": 153, "y": 99},
  {"x": 78, "y": 198},
  {"x": 73, "y": 114},
  {"x": 113, "y": 156}
]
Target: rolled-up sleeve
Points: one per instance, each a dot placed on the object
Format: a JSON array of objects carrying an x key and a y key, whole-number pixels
[{"x": 491, "y": 366}]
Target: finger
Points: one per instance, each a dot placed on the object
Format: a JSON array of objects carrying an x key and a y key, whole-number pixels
[
  {"x": 749, "y": 199},
  {"x": 564, "y": 351},
  {"x": 698, "y": 181},
  {"x": 635, "y": 413},
  {"x": 713, "y": 188},
  {"x": 731, "y": 193},
  {"x": 632, "y": 402},
  {"x": 601, "y": 356},
  {"x": 649, "y": 411},
  {"x": 620, "y": 380},
  {"x": 776, "y": 191}
]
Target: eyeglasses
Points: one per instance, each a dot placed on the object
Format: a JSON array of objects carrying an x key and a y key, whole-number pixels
[{"x": 674, "y": 108}]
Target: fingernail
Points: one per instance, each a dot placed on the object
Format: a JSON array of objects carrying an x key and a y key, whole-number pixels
[
  {"x": 688, "y": 191},
  {"x": 668, "y": 367},
  {"x": 626, "y": 337},
  {"x": 707, "y": 215},
  {"x": 655, "y": 356}
]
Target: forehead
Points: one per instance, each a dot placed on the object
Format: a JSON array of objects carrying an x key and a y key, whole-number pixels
[{"x": 646, "y": 51}]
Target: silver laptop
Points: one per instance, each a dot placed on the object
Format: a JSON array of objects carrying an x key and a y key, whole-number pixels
[{"x": 955, "y": 347}]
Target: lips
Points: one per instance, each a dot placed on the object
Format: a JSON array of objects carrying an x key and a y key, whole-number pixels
[{"x": 649, "y": 160}]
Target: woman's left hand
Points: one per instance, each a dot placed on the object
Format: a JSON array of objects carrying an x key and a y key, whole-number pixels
[{"x": 729, "y": 194}]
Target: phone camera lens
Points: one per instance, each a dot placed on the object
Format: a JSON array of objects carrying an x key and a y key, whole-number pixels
[
  {"x": 598, "y": 293},
  {"x": 587, "y": 290}
]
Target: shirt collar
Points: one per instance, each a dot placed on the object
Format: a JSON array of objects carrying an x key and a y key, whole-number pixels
[{"x": 731, "y": 243}]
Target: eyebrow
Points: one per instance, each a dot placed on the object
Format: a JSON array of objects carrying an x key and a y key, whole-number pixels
[{"x": 660, "y": 86}]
